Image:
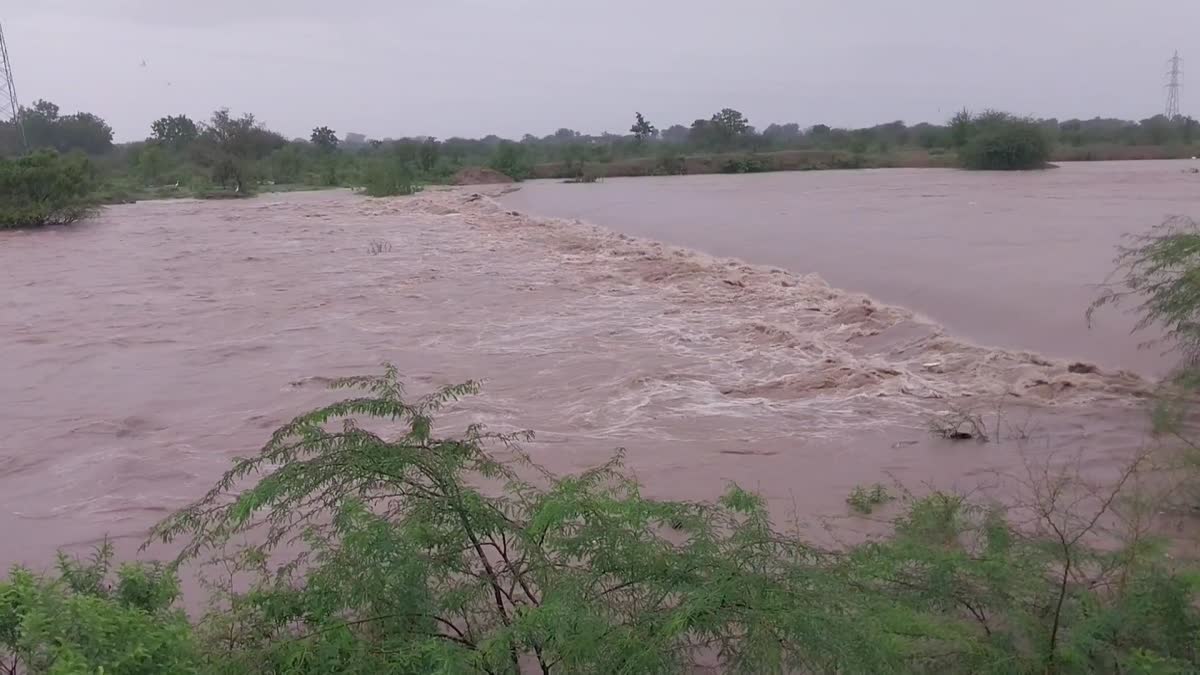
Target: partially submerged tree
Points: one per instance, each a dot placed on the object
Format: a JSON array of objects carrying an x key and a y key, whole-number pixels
[
  {"x": 45, "y": 188},
  {"x": 390, "y": 177},
  {"x": 998, "y": 141}
]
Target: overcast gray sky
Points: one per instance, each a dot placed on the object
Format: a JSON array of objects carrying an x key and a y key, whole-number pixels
[{"x": 472, "y": 67}]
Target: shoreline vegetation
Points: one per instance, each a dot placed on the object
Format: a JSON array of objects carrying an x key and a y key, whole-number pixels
[
  {"x": 232, "y": 156},
  {"x": 408, "y": 566}
]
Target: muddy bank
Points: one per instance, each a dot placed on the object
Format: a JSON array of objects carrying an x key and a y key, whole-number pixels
[{"x": 143, "y": 351}]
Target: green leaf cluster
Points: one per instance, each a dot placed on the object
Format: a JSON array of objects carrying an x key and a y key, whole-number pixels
[
  {"x": 45, "y": 188},
  {"x": 92, "y": 619}
]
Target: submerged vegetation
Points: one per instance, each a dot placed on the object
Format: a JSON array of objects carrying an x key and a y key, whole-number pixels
[
  {"x": 381, "y": 551},
  {"x": 390, "y": 178},
  {"x": 45, "y": 188},
  {"x": 865, "y": 500},
  {"x": 998, "y": 141}
]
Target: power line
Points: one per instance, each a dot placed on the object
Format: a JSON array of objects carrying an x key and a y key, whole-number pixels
[
  {"x": 1174, "y": 84},
  {"x": 9, "y": 108}
]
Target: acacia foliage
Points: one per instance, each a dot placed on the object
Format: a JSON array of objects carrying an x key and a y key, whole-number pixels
[{"x": 379, "y": 546}]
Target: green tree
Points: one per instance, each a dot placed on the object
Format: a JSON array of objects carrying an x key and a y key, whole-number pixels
[
  {"x": 325, "y": 139},
  {"x": 676, "y": 133},
  {"x": 229, "y": 146},
  {"x": 92, "y": 619},
  {"x": 46, "y": 188},
  {"x": 175, "y": 131},
  {"x": 998, "y": 141},
  {"x": 287, "y": 164},
  {"x": 83, "y": 131},
  {"x": 1187, "y": 129},
  {"x": 46, "y": 128},
  {"x": 152, "y": 163},
  {"x": 390, "y": 177},
  {"x": 1160, "y": 273},
  {"x": 642, "y": 129},
  {"x": 1157, "y": 129},
  {"x": 427, "y": 155},
  {"x": 961, "y": 126},
  {"x": 731, "y": 123},
  {"x": 512, "y": 160}
]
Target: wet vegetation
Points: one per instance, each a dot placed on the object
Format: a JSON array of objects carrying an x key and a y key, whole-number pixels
[
  {"x": 374, "y": 550},
  {"x": 44, "y": 189},
  {"x": 390, "y": 178},
  {"x": 998, "y": 141}
]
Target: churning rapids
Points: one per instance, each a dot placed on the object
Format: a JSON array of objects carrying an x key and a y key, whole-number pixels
[{"x": 142, "y": 351}]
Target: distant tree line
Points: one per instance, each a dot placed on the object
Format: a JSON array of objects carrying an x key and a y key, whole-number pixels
[{"x": 236, "y": 152}]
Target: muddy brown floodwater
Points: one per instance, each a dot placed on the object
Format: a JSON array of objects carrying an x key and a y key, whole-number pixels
[
  {"x": 1006, "y": 259},
  {"x": 141, "y": 352}
]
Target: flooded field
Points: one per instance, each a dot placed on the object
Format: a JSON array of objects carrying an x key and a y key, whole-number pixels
[{"x": 140, "y": 352}]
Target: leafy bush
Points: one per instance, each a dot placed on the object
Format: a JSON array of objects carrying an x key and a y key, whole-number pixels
[
  {"x": 748, "y": 164},
  {"x": 512, "y": 160},
  {"x": 865, "y": 499},
  {"x": 670, "y": 164},
  {"x": 84, "y": 621},
  {"x": 45, "y": 188},
  {"x": 390, "y": 178},
  {"x": 1001, "y": 142},
  {"x": 1160, "y": 272}
]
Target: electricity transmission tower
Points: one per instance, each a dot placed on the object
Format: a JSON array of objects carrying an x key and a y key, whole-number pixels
[
  {"x": 1174, "y": 84},
  {"x": 10, "y": 110}
]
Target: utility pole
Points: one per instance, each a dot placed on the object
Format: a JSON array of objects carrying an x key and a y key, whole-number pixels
[
  {"x": 10, "y": 110},
  {"x": 1174, "y": 84}
]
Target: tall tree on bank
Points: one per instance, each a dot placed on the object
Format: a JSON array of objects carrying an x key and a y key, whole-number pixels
[
  {"x": 642, "y": 129},
  {"x": 229, "y": 145},
  {"x": 46, "y": 128},
  {"x": 325, "y": 139},
  {"x": 174, "y": 131}
]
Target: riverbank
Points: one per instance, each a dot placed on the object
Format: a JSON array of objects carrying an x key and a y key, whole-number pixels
[
  {"x": 118, "y": 193},
  {"x": 126, "y": 192},
  {"x": 821, "y": 160}
]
